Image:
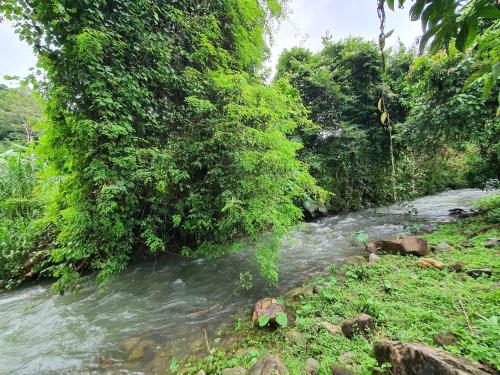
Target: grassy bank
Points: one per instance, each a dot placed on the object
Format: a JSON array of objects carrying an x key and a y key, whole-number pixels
[{"x": 409, "y": 304}]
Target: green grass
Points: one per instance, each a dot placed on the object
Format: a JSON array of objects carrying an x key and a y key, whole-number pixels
[{"x": 410, "y": 304}]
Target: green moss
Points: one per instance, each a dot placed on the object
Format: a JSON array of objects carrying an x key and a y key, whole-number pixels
[{"x": 409, "y": 303}]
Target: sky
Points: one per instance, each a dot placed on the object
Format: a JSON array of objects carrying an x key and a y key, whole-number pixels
[{"x": 307, "y": 22}]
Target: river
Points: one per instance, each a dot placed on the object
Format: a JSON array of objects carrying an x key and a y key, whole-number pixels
[{"x": 161, "y": 309}]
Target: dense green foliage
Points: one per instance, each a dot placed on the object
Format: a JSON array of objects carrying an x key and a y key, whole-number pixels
[
  {"x": 162, "y": 130},
  {"x": 409, "y": 304},
  {"x": 445, "y": 132}
]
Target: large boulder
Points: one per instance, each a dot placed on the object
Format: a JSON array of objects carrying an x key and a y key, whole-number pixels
[
  {"x": 268, "y": 365},
  {"x": 410, "y": 245},
  {"x": 420, "y": 359},
  {"x": 362, "y": 324},
  {"x": 268, "y": 307}
]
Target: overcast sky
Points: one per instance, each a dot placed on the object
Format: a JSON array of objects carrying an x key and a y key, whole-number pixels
[{"x": 307, "y": 22}]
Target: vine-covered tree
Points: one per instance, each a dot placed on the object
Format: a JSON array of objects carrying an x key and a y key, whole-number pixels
[{"x": 162, "y": 131}]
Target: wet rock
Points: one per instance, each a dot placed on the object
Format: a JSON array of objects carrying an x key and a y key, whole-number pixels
[
  {"x": 445, "y": 339},
  {"x": 234, "y": 371},
  {"x": 312, "y": 367},
  {"x": 301, "y": 291},
  {"x": 410, "y": 245},
  {"x": 456, "y": 267},
  {"x": 268, "y": 365},
  {"x": 371, "y": 247},
  {"x": 355, "y": 260},
  {"x": 295, "y": 337},
  {"x": 362, "y": 324},
  {"x": 492, "y": 242},
  {"x": 373, "y": 258},
  {"x": 105, "y": 362},
  {"x": 443, "y": 246},
  {"x": 332, "y": 328},
  {"x": 339, "y": 370},
  {"x": 267, "y": 307},
  {"x": 429, "y": 263},
  {"x": 137, "y": 348},
  {"x": 456, "y": 211},
  {"x": 419, "y": 359},
  {"x": 480, "y": 272}
]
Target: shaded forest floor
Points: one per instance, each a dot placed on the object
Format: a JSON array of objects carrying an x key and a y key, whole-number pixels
[{"x": 439, "y": 307}]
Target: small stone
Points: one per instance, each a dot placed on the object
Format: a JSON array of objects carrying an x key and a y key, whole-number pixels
[
  {"x": 443, "y": 246},
  {"x": 332, "y": 328},
  {"x": 201, "y": 372},
  {"x": 234, "y": 371},
  {"x": 346, "y": 357},
  {"x": 300, "y": 291},
  {"x": 456, "y": 267},
  {"x": 362, "y": 324},
  {"x": 373, "y": 258},
  {"x": 492, "y": 242},
  {"x": 268, "y": 365},
  {"x": 317, "y": 289},
  {"x": 480, "y": 272},
  {"x": 295, "y": 337},
  {"x": 339, "y": 370},
  {"x": 413, "y": 276},
  {"x": 429, "y": 263},
  {"x": 312, "y": 367},
  {"x": 445, "y": 339}
]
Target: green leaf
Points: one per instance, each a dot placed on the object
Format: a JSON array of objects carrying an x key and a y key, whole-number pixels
[
  {"x": 489, "y": 11},
  {"x": 462, "y": 37},
  {"x": 388, "y": 35},
  {"x": 281, "y": 319},
  {"x": 417, "y": 9},
  {"x": 390, "y": 4},
  {"x": 263, "y": 320},
  {"x": 380, "y": 105}
]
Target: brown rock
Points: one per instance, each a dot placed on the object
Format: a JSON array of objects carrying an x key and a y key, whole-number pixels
[
  {"x": 234, "y": 371},
  {"x": 429, "y": 263},
  {"x": 312, "y": 367},
  {"x": 419, "y": 359},
  {"x": 346, "y": 357},
  {"x": 456, "y": 267},
  {"x": 371, "y": 247},
  {"x": 362, "y": 324},
  {"x": 339, "y": 370},
  {"x": 268, "y": 365},
  {"x": 268, "y": 307},
  {"x": 445, "y": 338},
  {"x": 467, "y": 243},
  {"x": 410, "y": 245},
  {"x": 480, "y": 272},
  {"x": 332, "y": 328}
]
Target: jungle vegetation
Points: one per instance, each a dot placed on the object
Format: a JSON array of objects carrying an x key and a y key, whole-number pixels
[{"x": 159, "y": 133}]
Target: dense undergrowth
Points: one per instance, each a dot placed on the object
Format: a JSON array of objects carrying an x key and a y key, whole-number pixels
[{"x": 408, "y": 303}]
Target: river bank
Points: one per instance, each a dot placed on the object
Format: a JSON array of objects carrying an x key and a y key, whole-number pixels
[{"x": 409, "y": 303}]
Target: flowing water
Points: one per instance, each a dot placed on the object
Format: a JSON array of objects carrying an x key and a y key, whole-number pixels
[{"x": 158, "y": 310}]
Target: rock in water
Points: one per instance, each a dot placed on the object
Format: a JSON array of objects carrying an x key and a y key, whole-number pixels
[
  {"x": 362, "y": 324},
  {"x": 420, "y": 359},
  {"x": 267, "y": 307},
  {"x": 410, "y": 245},
  {"x": 268, "y": 365}
]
